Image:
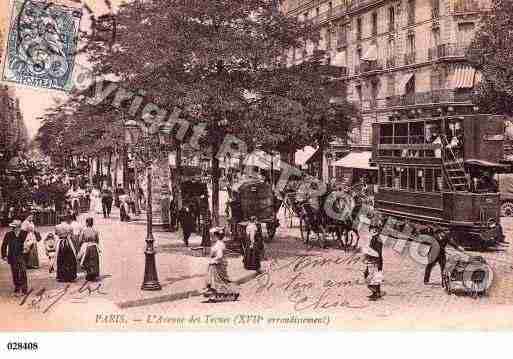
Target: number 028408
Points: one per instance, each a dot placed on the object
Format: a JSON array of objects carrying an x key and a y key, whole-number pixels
[{"x": 22, "y": 346}]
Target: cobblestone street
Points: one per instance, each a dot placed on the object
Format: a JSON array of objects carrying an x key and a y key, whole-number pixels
[{"x": 299, "y": 282}]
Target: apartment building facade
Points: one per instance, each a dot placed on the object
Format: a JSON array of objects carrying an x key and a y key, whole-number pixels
[{"x": 398, "y": 54}]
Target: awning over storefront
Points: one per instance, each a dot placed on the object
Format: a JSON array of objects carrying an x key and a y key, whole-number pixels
[
  {"x": 304, "y": 155},
  {"x": 262, "y": 160},
  {"x": 371, "y": 54},
  {"x": 463, "y": 77},
  {"x": 404, "y": 81},
  {"x": 483, "y": 163},
  {"x": 356, "y": 160}
]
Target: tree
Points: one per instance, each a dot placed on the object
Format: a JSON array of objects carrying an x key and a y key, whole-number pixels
[
  {"x": 491, "y": 52},
  {"x": 204, "y": 56}
]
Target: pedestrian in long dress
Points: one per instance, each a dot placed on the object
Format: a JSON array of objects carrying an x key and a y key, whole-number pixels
[
  {"x": 76, "y": 228},
  {"x": 13, "y": 253},
  {"x": 33, "y": 237},
  {"x": 96, "y": 201},
  {"x": 89, "y": 255},
  {"x": 65, "y": 256},
  {"x": 218, "y": 284},
  {"x": 187, "y": 220},
  {"x": 253, "y": 245}
]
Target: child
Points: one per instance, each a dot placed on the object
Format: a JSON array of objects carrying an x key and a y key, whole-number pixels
[
  {"x": 374, "y": 264},
  {"x": 50, "y": 249}
]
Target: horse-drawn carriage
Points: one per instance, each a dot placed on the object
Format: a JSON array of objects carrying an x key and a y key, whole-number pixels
[{"x": 331, "y": 217}]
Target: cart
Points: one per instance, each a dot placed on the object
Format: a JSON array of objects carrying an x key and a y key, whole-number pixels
[
  {"x": 253, "y": 198},
  {"x": 468, "y": 276}
]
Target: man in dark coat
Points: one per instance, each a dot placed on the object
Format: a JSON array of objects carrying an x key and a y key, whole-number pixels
[
  {"x": 107, "y": 199},
  {"x": 438, "y": 239},
  {"x": 187, "y": 221},
  {"x": 12, "y": 252}
]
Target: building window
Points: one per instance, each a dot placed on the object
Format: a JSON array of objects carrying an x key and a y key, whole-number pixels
[
  {"x": 410, "y": 87},
  {"x": 342, "y": 35},
  {"x": 435, "y": 11},
  {"x": 391, "y": 18},
  {"x": 358, "y": 29},
  {"x": 435, "y": 80},
  {"x": 391, "y": 85},
  {"x": 465, "y": 33},
  {"x": 358, "y": 61},
  {"x": 374, "y": 94},
  {"x": 391, "y": 53},
  {"x": 409, "y": 57},
  {"x": 328, "y": 39},
  {"x": 411, "y": 12},
  {"x": 374, "y": 24},
  {"x": 411, "y": 43},
  {"x": 317, "y": 12},
  {"x": 359, "y": 93},
  {"x": 435, "y": 34}
]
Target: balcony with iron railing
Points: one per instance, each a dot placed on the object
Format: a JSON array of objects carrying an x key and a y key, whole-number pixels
[
  {"x": 447, "y": 51},
  {"x": 369, "y": 66},
  {"x": 322, "y": 17},
  {"x": 424, "y": 98}
]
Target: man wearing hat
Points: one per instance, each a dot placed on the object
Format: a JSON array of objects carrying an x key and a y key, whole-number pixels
[
  {"x": 12, "y": 252},
  {"x": 437, "y": 238}
]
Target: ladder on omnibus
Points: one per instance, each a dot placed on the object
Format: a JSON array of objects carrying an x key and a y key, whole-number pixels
[{"x": 457, "y": 177}]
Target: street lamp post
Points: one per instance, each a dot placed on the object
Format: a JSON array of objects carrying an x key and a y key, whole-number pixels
[{"x": 144, "y": 145}]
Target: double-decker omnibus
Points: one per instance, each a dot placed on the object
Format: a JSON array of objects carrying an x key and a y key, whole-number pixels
[{"x": 439, "y": 170}]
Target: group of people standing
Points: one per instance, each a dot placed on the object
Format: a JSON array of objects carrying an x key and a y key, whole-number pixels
[{"x": 70, "y": 249}]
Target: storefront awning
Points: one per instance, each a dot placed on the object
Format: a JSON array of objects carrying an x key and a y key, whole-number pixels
[
  {"x": 371, "y": 54},
  {"x": 483, "y": 163},
  {"x": 356, "y": 160},
  {"x": 404, "y": 81},
  {"x": 262, "y": 160},
  {"x": 463, "y": 77}
]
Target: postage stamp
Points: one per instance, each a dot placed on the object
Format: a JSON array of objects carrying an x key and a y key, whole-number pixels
[{"x": 41, "y": 45}]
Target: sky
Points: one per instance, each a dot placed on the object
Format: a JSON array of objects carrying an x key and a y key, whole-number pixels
[{"x": 34, "y": 101}]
